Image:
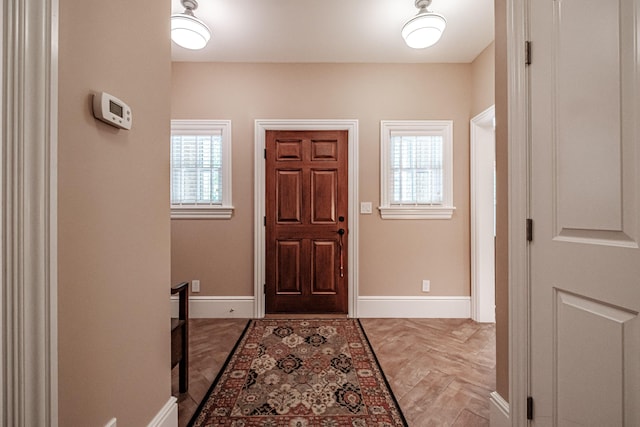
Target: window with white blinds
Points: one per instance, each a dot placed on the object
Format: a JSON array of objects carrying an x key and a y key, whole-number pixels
[
  {"x": 417, "y": 169},
  {"x": 196, "y": 169},
  {"x": 201, "y": 169}
]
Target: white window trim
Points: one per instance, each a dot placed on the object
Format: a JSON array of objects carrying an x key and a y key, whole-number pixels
[
  {"x": 204, "y": 127},
  {"x": 435, "y": 127}
]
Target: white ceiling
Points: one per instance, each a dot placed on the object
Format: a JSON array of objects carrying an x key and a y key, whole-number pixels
[{"x": 334, "y": 31}]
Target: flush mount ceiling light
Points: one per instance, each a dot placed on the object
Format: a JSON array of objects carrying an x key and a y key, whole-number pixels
[
  {"x": 187, "y": 30},
  {"x": 424, "y": 29}
]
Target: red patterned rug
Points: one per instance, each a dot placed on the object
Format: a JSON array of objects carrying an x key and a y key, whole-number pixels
[{"x": 300, "y": 373}]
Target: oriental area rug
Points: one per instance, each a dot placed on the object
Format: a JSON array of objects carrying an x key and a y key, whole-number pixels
[{"x": 301, "y": 373}]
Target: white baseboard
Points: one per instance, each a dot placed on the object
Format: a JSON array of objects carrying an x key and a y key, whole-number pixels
[
  {"x": 210, "y": 307},
  {"x": 414, "y": 307},
  {"x": 498, "y": 411},
  {"x": 168, "y": 415},
  {"x": 368, "y": 306}
]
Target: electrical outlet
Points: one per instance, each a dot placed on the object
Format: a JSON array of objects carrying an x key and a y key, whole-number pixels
[
  {"x": 195, "y": 286},
  {"x": 426, "y": 285},
  {"x": 112, "y": 423}
]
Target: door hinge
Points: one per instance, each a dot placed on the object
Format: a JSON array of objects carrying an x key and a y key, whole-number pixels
[
  {"x": 264, "y": 220},
  {"x": 529, "y": 408},
  {"x": 527, "y": 52},
  {"x": 264, "y": 289},
  {"x": 529, "y": 230},
  {"x": 265, "y": 153}
]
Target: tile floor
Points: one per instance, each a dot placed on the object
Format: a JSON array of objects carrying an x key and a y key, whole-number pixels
[{"x": 440, "y": 370}]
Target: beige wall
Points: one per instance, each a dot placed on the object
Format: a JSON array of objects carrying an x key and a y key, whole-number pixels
[
  {"x": 395, "y": 255},
  {"x": 114, "y": 230},
  {"x": 502, "y": 209},
  {"x": 483, "y": 80}
]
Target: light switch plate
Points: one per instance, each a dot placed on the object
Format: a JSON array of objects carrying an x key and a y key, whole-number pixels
[
  {"x": 365, "y": 207},
  {"x": 195, "y": 286}
]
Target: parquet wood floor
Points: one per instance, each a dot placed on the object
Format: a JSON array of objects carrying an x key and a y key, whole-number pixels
[{"x": 440, "y": 370}]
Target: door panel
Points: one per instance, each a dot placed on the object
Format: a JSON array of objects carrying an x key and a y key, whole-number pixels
[
  {"x": 585, "y": 189},
  {"x": 288, "y": 149},
  {"x": 602, "y": 327},
  {"x": 324, "y": 150},
  {"x": 306, "y": 206},
  {"x": 289, "y": 196},
  {"x": 324, "y": 193},
  {"x": 589, "y": 119},
  {"x": 288, "y": 267},
  {"x": 323, "y": 280}
]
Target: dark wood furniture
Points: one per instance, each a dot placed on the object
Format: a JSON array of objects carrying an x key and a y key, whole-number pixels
[{"x": 180, "y": 335}]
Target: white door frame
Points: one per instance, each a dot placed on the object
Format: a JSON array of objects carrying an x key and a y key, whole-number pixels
[
  {"x": 483, "y": 301},
  {"x": 41, "y": 397},
  {"x": 261, "y": 127},
  {"x": 28, "y": 257},
  {"x": 518, "y": 193}
]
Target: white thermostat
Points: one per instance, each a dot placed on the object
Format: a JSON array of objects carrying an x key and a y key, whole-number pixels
[{"x": 112, "y": 111}]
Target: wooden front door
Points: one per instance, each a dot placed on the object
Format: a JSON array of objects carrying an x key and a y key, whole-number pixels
[{"x": 306, "y": 221}]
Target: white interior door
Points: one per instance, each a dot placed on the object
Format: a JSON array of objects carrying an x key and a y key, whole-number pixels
[{"x": 585, "y": 206}]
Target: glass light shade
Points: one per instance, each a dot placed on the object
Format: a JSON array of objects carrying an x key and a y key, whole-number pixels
[
  {"x": 423, "y": 30},
  {"x": 189, "y": 32}
]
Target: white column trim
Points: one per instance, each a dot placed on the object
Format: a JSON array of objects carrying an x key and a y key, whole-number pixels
[
  {"x": 518, "y": 158},
  {"x": 28, "y": 216},
  {"x": 261, "y": 126}
]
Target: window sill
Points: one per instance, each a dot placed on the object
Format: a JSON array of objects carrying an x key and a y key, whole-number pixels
[
  {"x": 416, "y": 212},
  {"x": 201, "y": 212}
]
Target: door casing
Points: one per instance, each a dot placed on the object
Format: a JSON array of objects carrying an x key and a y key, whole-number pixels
[
  {"x": 517, "y": 19},
  {"x": 518, "y": 184},
  {"x": 28, "y": 170},
  {"x": 261, "y": 126},
  {"x": 483, "y": 302}
]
